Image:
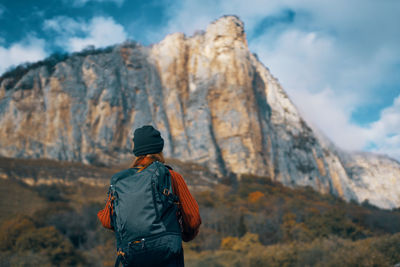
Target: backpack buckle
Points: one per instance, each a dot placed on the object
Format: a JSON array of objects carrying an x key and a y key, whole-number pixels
[
  {"x": 166, "y": 192},
  {"x": 120, "y": 253}
]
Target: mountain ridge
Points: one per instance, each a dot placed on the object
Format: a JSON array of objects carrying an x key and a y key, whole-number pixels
[{"x": 214, "y": 102}]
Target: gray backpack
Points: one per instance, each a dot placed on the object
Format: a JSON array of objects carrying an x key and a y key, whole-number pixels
[{"x": 145, "y": 216}]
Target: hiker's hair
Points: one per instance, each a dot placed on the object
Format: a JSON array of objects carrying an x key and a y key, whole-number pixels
[{"x": 145, "y": 160}]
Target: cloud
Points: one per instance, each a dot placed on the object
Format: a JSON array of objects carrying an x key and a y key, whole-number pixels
[
  {"x": 335, "y": 121},
  {"x": 29, "y": 50},
  {"x": 385, "y": 133},
  {"x": 187, "y": 17},
  {"x": 75, "y": 35},
  {"x": 81, "y": 3},
  {"x": 64, "y": 25},
  {"x": 389, "y": 123}
]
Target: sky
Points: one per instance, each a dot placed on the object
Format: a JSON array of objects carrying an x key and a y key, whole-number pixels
[{"x": 339, "y": 61}]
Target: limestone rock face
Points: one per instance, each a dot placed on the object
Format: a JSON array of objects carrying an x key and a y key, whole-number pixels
[
  {"x": 213, "y": 101},
  {"x": 375, "y": 179}
]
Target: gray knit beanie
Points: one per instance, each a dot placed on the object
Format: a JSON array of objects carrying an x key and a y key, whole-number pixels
[{"x": 147, "y": 140}]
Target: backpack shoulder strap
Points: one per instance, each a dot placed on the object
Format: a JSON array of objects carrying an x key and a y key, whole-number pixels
[
  {"x": 168, "y": 167},
  {"x": 169, "y": 193}
]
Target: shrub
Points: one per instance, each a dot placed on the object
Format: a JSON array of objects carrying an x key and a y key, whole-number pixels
[
  {"x": 228, "y": 242},
  {"x": 27, "y": 245},
  {"x": 50, "y": 242},
  {"x": 10, "y": 231}
]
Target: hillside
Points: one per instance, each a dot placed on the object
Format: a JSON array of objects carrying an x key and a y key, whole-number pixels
[
  {"x": 214, "y": 102},
  {"x": 251, "y": 222}
]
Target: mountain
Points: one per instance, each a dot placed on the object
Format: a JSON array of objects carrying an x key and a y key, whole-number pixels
[{"x": 214, "y": 102}]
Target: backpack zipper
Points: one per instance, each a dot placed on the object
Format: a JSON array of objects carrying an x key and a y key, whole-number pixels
[{"x": 142, "y": 241}]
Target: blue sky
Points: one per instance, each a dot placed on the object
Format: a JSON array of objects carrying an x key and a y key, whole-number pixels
[{"x": 338, "y": 60}]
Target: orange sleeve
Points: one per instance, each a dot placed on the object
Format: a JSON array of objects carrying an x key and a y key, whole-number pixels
[{"x": 188, "y": 207}]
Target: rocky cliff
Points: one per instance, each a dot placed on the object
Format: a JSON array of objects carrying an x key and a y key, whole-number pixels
[{"x": 214, "y": 102}]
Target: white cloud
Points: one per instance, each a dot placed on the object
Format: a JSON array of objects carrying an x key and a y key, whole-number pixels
[
  {"x": 334, "y": 121},
  {"x": 30, "y": 50},
  {"x": 81, "y": 3},
  {"x": 385, "y": 133},
  {"x": 187, "y": 17},
  {"x": 389, "y": 122},
  {"x": 75, "y": 35},
  {"x": 64, "y": 25},
  {"x": 101, "y": 32},
  {"x": 299, "y": 59}
]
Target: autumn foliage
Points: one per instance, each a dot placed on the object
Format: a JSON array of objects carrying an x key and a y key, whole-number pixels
[{"x": 251, "y": 221}]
